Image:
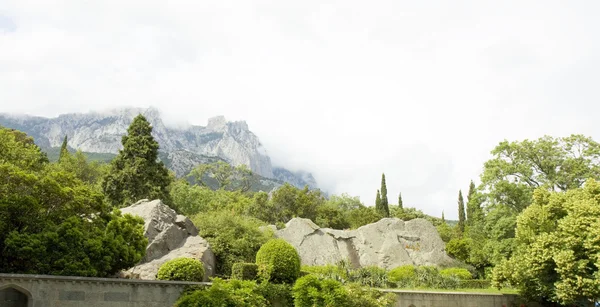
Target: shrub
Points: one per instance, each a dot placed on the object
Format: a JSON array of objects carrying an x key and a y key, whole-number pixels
[
  {"x": 233, "y": 238},
  {"x": 232, "y": 293},
  {"x": 276, "y": 294},
  {"x": 312, "y": 291},
  {"x": 182, "y": 269},
  {"x": 278, "y": 262},
  {"x": 371, "y": 276},
  {"x": 244, "y": 271},
  {"x": 460, "y": 273},
  {"x": 403, "y": 276},
  {"x": 459, "y": 248}
]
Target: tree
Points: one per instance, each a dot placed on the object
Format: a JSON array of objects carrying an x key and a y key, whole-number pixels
[
  {"x": 384, "y": 199},
  {"x": 557, "y": 258},
  {"x": 474, "y": 211},
  {"x": 556, "y": 164},
  {"x": 136, "y": 173},
  {"x": 443, "y": 218},
  {"x": 400, "y": 205},
  {"x": 226, "y": 176},
  {"x": 64, "y": 149},
  {"x": 461, "y": 212},
  {"x": 378, "y": 206},
  {"x": 52, "y": 222}
]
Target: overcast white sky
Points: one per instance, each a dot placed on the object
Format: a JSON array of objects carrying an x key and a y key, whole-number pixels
[{"x": 420, "y": 90}]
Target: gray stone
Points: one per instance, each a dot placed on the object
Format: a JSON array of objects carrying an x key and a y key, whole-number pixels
[
  {"x": 387, "y": 243},
  {"x": 169, "y": 236}
]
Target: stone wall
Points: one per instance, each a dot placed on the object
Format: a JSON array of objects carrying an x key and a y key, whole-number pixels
[
  {"x": 55, "y": 291},
  {"x": 408, "y": 298}
]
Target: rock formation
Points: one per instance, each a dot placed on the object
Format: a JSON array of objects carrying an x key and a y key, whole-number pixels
[
  {"x": 387, "y": 243},
  {"x": 181, "y": 148},
  {"x": 169, "y": 236}
]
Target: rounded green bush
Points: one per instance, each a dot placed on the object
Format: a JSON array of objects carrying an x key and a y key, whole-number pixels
[
  {"x": 278, "y": 262},
  {"x": 402, "y": 274},
  {"x": 460, "y": 273},
  {"x": 181, "y": 269}
]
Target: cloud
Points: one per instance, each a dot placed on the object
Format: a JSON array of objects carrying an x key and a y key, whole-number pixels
[{"x": 419, "y": 90}]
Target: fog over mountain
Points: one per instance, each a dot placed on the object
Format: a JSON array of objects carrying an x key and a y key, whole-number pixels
[{"x": 345, "y": 90}]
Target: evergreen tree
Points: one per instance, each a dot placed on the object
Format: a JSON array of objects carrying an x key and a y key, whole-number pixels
[
  {"x": 443, "y": 218},
  {"x": 474, "y": 212},
  {"x": 461, "y": 212},
  {"x": 400, "y": 201},
  {"x": 378, "y": 207},
  {"x": 64, "y": 150},
  {"x": 385, "y": 209},
  {"x": 136, "y": 173}
]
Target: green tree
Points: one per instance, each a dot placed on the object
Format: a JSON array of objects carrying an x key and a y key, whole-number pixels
[
  {"x": 474, "y": 211},
  {"x": 64, "y": 149},
  {"x": 136, "y": 172},
  {"x": 557, "y": 258},
  {"x": 51, "y": 222},
  {"x": 288, "y": 202},
  {"x": 226, "y": 176},
  {"x": 378, "y": 206},
  {"x": 384, "y": 199},
  {"x": 363, "y": 216},
  {"x": 461, "y": 212},
  {"x": 400, "y": 205}
]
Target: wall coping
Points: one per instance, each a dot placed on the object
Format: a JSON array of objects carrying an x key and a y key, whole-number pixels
[
  {"x": 462, "y": 293},
  {"x": 32, "y": 277}
]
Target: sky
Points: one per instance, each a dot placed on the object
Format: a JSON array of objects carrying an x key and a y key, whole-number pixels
[{"x": 419, "y": 90}]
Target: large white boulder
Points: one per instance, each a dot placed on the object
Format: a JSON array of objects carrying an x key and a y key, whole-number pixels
[
  {"x": 388, "y": 243},
  {"x": 169, "y": 236}
]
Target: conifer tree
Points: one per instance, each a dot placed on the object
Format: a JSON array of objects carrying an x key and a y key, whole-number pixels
[
  {"x": 136, "y": 172},
  {"x": 474, "y": 212},
  {"x": 400, "y": 205},
  {"x": 443, "y": 218},
  {"x": 461, "y": 212},
  {"x": 385, "y": 209},
  {"x": 64, "y": 150},
  {"x": 378, "y": 202}
]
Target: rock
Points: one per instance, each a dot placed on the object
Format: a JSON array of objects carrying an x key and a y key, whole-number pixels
[
  {"x": 387, "y": 243},
  {"x": 182, "y": 147},
  {"x": 169, "y": 236}
]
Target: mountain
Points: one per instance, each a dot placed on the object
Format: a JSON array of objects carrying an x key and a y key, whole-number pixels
[{"x": 180, "y": 148}]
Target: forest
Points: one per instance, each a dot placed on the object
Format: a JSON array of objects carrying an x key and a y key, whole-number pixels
[{"x": 532, "y": 223}]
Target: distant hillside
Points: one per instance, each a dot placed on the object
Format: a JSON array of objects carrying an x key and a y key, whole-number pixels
[{"x": 99, "y": 136}]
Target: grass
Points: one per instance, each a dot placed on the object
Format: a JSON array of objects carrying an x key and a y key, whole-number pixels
[{"x": 484, "y": 291}]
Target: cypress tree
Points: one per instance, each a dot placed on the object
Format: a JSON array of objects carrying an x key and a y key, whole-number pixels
[
  {"x": 136, "y": 173},
  {"x": 443, "y": 218},
  {"x": 400, "y": 201},
  {"x": 378, "y": 202},
  {"x": 385, "y": 209},
  {"x": 474, "y": 211},
  {"x": 64, "y": 149},
  {"x": 461, "y": 212}
]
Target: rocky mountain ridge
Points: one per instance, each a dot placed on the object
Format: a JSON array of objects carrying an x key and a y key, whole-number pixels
[{"x": 181, "y": 148}]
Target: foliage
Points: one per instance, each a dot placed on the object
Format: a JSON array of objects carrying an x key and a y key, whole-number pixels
[
  {"x": 400, "y": 205},
  {"x": 330, "y": 216},
  {"x": 227, "y": 176},
  {"x": 378, "y": 204},
  {"x": 474, "y": 211},
  {"x": 460, "y": 273},
  {"x": 402, "y": 275},
  {"x": 225, "y": 293},
  {"x": 461, "y": 213},
  {"x": 193, "y": 199},
  {"x": 384, "y": 205},
  {"x": 244, "y": 271},
  {"x": 51, "y": 222},
  {"x": 276, "y": 294},
  {"x": 289, "y": 202},
  {"x": 136, "y": 173},
  {"x": 233, "y": 238},
  {"x": 558, "y": 247},
  {"x": 363, "y": 216},
  {"x": 181, "y": 269},
  {"x": 312, "y": 291},
  {"x": 459, "y": 248},
  {"x": 278, "y": 262}
]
